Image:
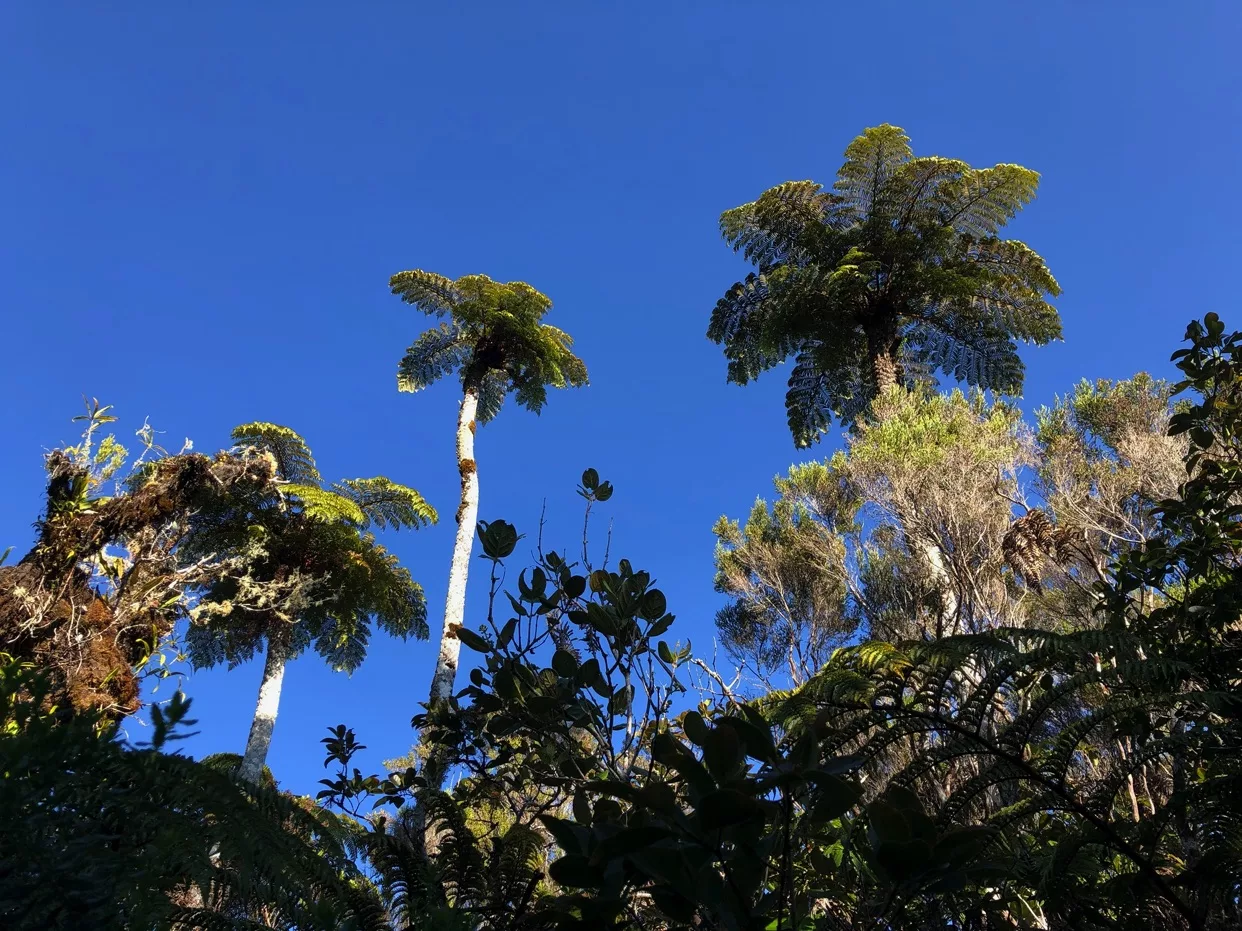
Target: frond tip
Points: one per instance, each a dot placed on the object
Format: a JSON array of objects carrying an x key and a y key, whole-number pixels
[
  {"x": 293, "y": 457},
  {"x": 385, "y": 503},
  {"x": 431, "y": 293},
  {"x": 325, "y": 506}
]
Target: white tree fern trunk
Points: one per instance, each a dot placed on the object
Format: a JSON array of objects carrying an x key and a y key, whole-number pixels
[
  {"x": 949, "y": 620},
  {"x": 467, "y": 516},
  {"x": 264, "y": 722}
]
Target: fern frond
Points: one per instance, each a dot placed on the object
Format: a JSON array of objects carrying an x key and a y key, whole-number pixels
[
  {"x": 386, "y": 503},
  {"x": 771, "y": 230},
  {"x": 981, "y": 201},
  {"x": 492, "y": 391},
  {"x": 459, "y": 860},
  {"x": 323, "y": 505},
  {"x": 432, "y": 356},
  {"x": 809, "y": 400},
  {"x": 294, "y": 461},
  {"x": 871, "y": 161},
  {"x": 343, "y": 643},
  {"x": 970, "y": 351},
  {"x": 431, "y": 293}
]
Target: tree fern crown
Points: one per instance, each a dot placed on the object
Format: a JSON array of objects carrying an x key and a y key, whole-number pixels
[
  {"x": 895, "y": 274},
  {"x": 304, "y": 560},
  {"x": 491, "y": 335}
]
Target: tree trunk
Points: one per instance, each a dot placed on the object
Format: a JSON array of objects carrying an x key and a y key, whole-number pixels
[
  {"x": 882, "y": 348},
  {"x": 260, "y": 738},
  {"x": 948, "y": 622},
  {"x": 455, "y": 600}
]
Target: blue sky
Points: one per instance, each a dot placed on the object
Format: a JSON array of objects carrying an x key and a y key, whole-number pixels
[{"x": 200, "y": 208}]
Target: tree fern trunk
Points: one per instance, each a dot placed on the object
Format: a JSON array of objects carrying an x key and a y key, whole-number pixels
[
  {"x": 264, "y": 722},
  {"x": 882, "y": 352},
  {"x": 949, "y": 621},
  {"x": 455, "y": 600},
  {"x": 923, "y": 544}
]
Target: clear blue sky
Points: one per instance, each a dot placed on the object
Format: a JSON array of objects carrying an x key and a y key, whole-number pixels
[{"x": 200, "y": 206}]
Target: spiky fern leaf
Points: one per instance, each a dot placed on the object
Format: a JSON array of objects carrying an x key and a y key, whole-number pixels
[
  {"x": 871, "y": 161},
  {"x": 385, "y": 503},
  {"x": 458, "y": 858},
  {"x": 298, "y": 559},
  {"x": 432, "y": 356},
  {"x": 493, "y": 388},
  {"x": 294, "y": 461},
  {"x": 431, "y": 293},
  {"x": 326, "y": 506}
]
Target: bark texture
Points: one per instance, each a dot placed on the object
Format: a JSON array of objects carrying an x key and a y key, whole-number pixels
[
  {"x": 266, "y": 709},
  {"x": 467, "y": 517}
]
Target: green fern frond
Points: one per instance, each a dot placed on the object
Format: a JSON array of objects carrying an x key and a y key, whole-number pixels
[
  {"x": 431, "y": 293},
  {"x": 493, "y": 388},
  {"x": 386, "y": 503},
  {"x": 432, "y": 356},
  {"x": 325, "y": 506},
  {"x": 294, "y": 461},
  {"x": 495, "y": 340},
  {"x": 980, "y": 202},
  {"x": 871, "y": 161}
]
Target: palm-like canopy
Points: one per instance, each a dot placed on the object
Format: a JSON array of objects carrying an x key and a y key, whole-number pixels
[
  {"x": 897, "y": 273},
  {"x": 303, "y": 561},
  {"x": 493, "y": 337}
]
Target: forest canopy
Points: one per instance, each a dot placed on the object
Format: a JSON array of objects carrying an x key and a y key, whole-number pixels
[{"x": 980, "y": 668}]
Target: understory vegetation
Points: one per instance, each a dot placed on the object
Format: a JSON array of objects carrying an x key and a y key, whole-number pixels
[{"x": 981, "y": 668}]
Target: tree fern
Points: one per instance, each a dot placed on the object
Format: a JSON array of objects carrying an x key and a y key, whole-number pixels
[
  {"x": 495, "y": 338},
  {"x": 497, "y": 342},
  {"x": 897, "y": 273}
]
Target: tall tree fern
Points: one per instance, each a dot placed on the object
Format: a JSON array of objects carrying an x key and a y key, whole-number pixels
[
  {"x": 895, "y": 274},
  {"x": 492, "y": 335},
  {"x": 300, "y": 568}
]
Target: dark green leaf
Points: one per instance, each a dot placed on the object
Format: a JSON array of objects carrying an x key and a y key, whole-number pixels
[
  {"x": 628, "y": 840},
  {"x": 575, "y": 586},
  {"x": 473, "y": 640},
  {"x": 726, "y": 807},
  {"x": 582, "y": 808},
  {"x": 506, "y": 633},
  {"x": 576, "y": 871},
  {"x": 661, "y": 626},
  {"x": 722, "y": 751},
  {"x": 673, "y": 904},
  {"x": 565, "y": 664},
  {"x": 834, "y": 796},
  {"x": 499, "y": 538},
  {"x": 695, "y": 728},
  {"x": 654, "y": 605}
]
